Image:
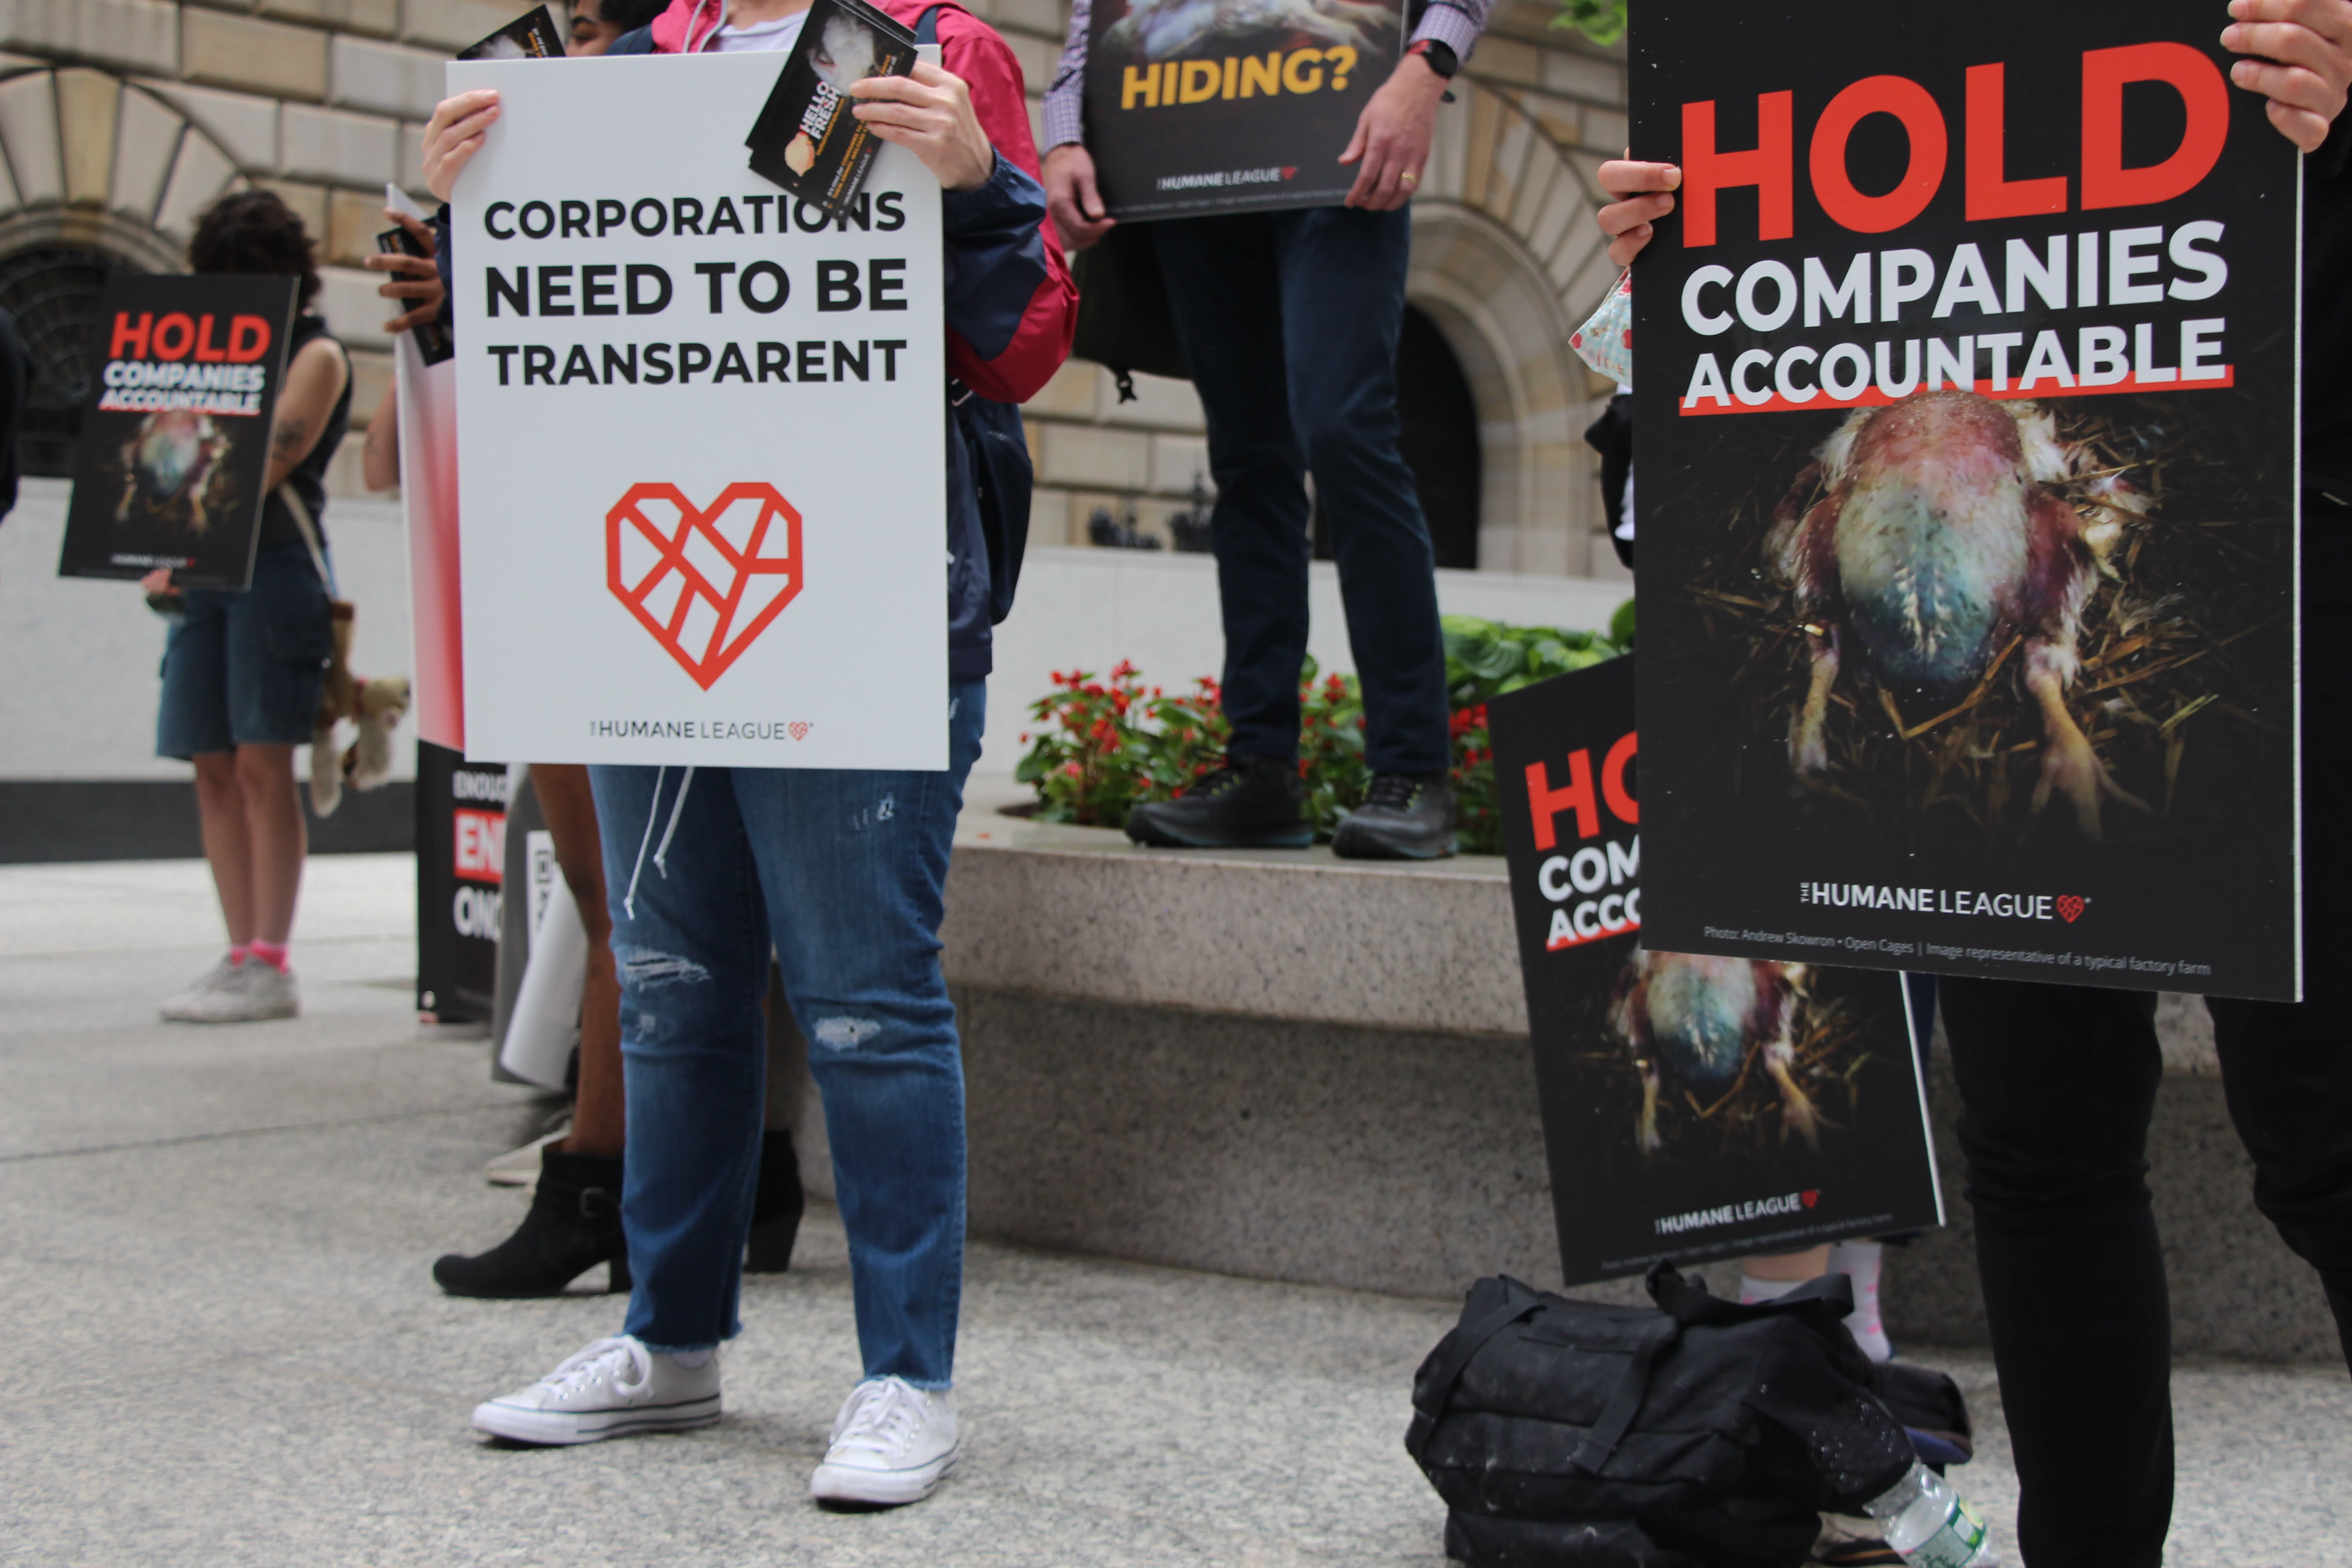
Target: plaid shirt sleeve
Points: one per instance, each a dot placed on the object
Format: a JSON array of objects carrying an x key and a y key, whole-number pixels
[
  {"x": 1456, "y": 24},
  {"x": 1065, "y": 100}
]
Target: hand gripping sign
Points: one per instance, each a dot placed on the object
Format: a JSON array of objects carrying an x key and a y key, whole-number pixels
[{"x": 701, "y": 448}]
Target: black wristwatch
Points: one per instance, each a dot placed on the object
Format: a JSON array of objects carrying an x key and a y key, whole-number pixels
[{"x": 1438, "y": 57}]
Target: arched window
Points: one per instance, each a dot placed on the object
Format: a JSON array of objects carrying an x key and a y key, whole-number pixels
[{"x": 53, "y": 292}]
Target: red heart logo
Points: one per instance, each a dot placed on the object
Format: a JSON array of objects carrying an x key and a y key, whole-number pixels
[
  {"x": 705, "y": 583},
  {"x": 1288, "y": 170},
  {"x": 1812, "y": 1196},
  {"x": 2069, "y": 907},
  {"x": 799, "y": 727}
]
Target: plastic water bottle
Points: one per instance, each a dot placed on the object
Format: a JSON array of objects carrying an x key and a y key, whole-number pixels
[{"x": 1925, "y": 1521}]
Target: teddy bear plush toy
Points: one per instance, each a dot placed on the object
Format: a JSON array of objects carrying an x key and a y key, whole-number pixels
[{"x": 375, "y": 707}]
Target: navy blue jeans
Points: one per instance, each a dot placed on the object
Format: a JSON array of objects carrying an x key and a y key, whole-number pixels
[
  {"x": 844, "y": 873},
  {"x": 1290, "y": 322}
]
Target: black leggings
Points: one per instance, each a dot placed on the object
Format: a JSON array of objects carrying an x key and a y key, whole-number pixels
[{"x": 2059, "y": 1083}]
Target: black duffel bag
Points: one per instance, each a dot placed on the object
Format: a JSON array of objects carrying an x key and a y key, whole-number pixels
[{"x": 1703, "y": 1434}]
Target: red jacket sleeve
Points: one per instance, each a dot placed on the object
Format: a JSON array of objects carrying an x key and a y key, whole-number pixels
[{"x": 971, "y": 49}]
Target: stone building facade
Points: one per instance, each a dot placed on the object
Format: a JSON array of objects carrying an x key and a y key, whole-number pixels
[{"x": 120, "y": 119}]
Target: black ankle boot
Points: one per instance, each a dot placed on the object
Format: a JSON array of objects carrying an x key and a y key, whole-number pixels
[
  {"x": 1249, "y": 803},
  {"x": 574, "y": 1225},
  {"x": 776, "y": 1205},
  {"x": 1404, "y": 817}
]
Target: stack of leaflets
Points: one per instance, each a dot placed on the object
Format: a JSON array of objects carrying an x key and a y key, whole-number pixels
[
  {"x": 529, "y": 36},
  {"x": 806, "y": 140}
]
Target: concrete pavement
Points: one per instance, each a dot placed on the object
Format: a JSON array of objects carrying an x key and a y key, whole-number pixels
[{"x": 223, "y": 1344}]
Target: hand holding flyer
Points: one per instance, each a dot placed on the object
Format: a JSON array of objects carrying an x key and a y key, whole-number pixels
[{"x": 807, "y": 138}]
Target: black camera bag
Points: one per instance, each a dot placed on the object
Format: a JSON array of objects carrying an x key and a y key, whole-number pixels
[{"x": 1567, "y": 1434}]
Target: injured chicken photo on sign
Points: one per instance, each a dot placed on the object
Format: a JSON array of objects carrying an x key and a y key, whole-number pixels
[
  {"x": 2012, "y": 620},
  {"x": 1965, "y": 419},
  {"x": 173, "y": 447},
  {"x": 1695, "y": 1106}
]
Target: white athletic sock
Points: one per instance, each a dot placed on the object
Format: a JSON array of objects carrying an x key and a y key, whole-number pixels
[
  {"x": 691, "y": 1359},
  {"x": 1859, "y": 1261}
]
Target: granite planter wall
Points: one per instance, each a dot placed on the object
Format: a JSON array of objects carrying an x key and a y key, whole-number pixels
[{"x": 1287, "y": 1067}]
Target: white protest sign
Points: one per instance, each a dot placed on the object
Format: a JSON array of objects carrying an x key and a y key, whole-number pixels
[
  {"x": 428, "y": 415},
  {"x": 702, "y": 442}
]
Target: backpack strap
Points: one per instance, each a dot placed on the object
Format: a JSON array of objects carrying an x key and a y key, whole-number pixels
[
  {"x": 1452, "y": 1357},
  {"x": 301, "y": 511},
  {"x": 927, "y": 30},
  {"x": 1691, "y": 1305},
  {"x": 1594, "y": 1449}
]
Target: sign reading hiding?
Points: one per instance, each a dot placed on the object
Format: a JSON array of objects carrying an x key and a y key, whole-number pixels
[
  {"x": 701, "y": 437},
  {"x": 1196, "y": 110}
]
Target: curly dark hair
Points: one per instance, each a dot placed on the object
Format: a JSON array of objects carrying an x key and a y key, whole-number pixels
[{"x": 256, "y": 231}]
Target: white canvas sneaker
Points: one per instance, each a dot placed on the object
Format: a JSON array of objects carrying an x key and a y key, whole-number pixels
[
  {"x": 892, "y": 1443},
  {"x": 181, "y": 1007},
  {"x": 253, "y": 992},
  {"x": 613, "y": 1388}
]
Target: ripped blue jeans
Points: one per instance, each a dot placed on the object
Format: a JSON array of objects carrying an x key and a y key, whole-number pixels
[{"x": 844, "y": 873}]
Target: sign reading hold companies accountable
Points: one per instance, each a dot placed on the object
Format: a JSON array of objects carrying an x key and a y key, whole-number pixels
[
  {"x": 1193, "y": 109},
  {"x": 175, "y": 437},
  {"x": 701, "y": 435},
  {"x": 1968, "y": 402},
  {"x": 1694, "y": 1106}
]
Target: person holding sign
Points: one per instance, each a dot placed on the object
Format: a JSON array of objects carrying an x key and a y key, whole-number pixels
[
  {"x": 2060, "y": 1082},
  {"x": 844, "y": 871},
  {"x": 1288, "y": 321},
  {"x": 242, "y": 670}
]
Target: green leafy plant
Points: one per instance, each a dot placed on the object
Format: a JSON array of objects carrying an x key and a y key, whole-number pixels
[
  {"x": 1100, "y": 746},
  {"x": 1602, "y": 21},
  {"x": 1487, "y": 659}
]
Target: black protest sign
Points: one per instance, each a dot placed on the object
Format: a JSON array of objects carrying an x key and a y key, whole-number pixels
[
  {"x": 1965, "y": 422},
  {"x": 175, "y": 439},
  {"x": 1694, "y": 1106},
  {"x": 1193, "y": 109},
  {"x": 461, "y": 831},
  {"x": 806, "y": 140}
]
